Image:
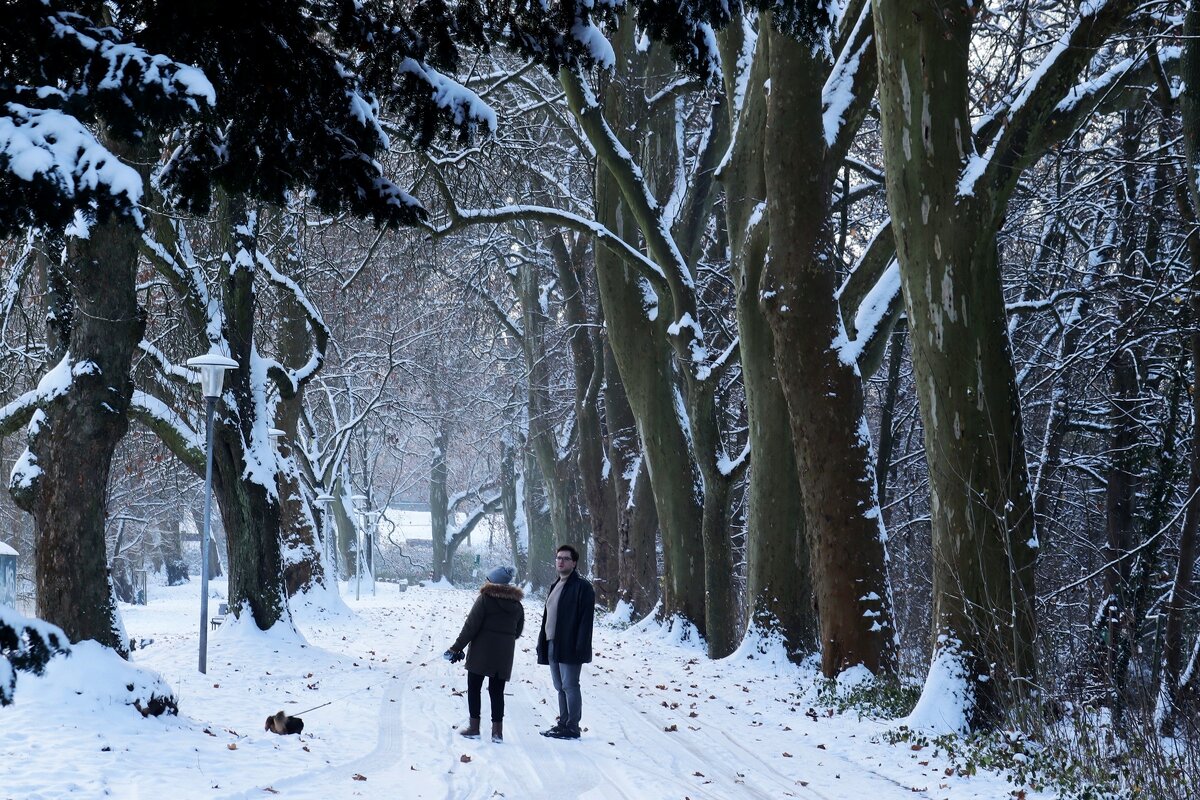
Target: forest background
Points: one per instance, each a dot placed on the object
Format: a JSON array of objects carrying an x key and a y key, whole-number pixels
[{"x": 868, "y": 328}]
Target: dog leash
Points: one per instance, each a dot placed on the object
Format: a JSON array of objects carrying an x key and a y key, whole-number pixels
[{"x": 335, "y": 700}]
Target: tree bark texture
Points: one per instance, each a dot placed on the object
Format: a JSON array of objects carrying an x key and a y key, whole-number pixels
[
  {"x": 819, "y": 377},
  {"x": 298, "y": 526},
  {"x": 779, "y": 583},
  {"x": 637, "y": 516},
  {"x": 1182, "y": 587},
  {"x": 984, "y": 543},
  {"x": 72, "y": 444},
  {"x": 637, "y": 335},
  {"x": 439, "y": 511},
  {"x": 588, "y": 369},
  {"x": 542, "y": 542}
]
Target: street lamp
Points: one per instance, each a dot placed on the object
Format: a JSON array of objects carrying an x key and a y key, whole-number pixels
[
  {"x": 323, "y": 500},
  {"x": 373, "y": 517},
  {"x": 212, "y": 368},
  {"x": 275, "y": 434},
  {"x": 359, "y": 499}
]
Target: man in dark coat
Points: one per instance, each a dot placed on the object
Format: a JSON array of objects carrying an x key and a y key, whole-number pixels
[
  {"x": 565, "y": 639},
  {"x": 489, "y": 636}
]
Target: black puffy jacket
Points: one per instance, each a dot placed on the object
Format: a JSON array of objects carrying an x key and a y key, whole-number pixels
[{"x": 491, "y": 630}]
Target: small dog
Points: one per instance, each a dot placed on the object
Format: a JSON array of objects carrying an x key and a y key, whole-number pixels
[{"x": 282, "y": 724}]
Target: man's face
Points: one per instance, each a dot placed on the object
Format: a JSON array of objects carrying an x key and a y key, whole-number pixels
[{"x": 564, "y": 563}]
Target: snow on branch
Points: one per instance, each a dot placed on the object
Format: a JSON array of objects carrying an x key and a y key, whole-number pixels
[
  {"x": 184, "y": 440},
  {"x": 73, "y": 73},
  {"x": 129, "y": 68},
  {"x": 316, "y": 324},
  {"x": 187, "y": 278},
  {"x": 57, "y": 154},
  {"x": 601, "y": 51},
  {"x": 1048, "y": 102},
  {"x": 17, "y": 413},
  {"x": 489, "y": 503},
  {"x": 839, "y": 91},
  {"x": 55, "y": 383},
  {"x": 875, "y": 309},
  {"x": 166, "y": 369},
  {"x": 728, "y": 466},
  {"x": 466, "y": 109},
  {"x": 553, "y": 216}
]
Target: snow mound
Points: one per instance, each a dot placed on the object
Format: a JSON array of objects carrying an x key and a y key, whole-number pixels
[
  {"x": 946, "y": 697},
  {"x": 93, "y": 680}
]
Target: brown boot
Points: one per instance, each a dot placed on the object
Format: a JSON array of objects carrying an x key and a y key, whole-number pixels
[
  {"x": 472, "y": 730},
  {"x": 497, "y": 731}
]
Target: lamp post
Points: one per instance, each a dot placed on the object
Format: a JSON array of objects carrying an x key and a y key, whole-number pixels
[
  {"x": 375, "y": 542},
  {"x": 359, "y": 499},
  {"x": 323, "y": 500},
  {"x": 212, "y": 368}
]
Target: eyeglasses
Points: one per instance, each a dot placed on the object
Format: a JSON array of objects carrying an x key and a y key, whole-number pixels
[{"x": 563, "y": 558}]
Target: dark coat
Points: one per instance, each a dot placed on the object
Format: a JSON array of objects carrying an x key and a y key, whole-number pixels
[
  {"x": 491, "y": 630},
  {"x": 573, "y": 625}
]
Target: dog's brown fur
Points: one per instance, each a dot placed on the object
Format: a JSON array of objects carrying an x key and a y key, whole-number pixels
[{"x": 282, "y": 724}]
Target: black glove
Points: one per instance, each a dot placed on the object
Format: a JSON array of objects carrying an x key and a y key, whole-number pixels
[{"x": 453, "y": 656}]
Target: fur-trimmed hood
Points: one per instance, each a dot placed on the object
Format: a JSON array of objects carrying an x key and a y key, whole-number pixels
[{"x": 502, "y": 591}]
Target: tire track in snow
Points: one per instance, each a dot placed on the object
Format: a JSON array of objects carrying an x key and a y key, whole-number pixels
[
  {"x": 689, "y": 754},
  {"x": 390, "y": 736},
  {"x": 765, "y": 782}
]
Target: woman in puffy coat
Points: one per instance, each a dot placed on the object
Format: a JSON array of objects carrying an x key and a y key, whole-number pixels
[{"x": 489, "y": 637}]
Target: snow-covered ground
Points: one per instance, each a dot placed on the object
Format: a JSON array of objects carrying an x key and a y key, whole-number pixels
[{"x": 661, "y": 722}]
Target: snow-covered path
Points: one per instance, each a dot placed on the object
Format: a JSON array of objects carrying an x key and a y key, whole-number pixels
[{"x": 660, "y": 720}]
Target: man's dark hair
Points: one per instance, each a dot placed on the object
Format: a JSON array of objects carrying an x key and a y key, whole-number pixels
[{"x": 574, "y": 553}]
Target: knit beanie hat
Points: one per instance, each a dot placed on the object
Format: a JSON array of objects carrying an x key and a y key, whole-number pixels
[{"x": 501, "y": 575}]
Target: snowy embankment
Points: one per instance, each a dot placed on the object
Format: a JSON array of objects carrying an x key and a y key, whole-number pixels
[{"x": 660, "y": 720}]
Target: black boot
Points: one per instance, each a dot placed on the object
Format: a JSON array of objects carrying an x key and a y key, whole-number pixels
[
  {"x": 497, "y": 731},
  {"x": 472, "y": 730}
]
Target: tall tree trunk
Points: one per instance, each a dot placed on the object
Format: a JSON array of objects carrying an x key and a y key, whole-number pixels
[
  {"x": 302, "y": 554},
  {"x": 819, "y": 375},
  {"x": 887, "y": 414},
  {"x": 778, "y": 573},
  {"x": 439, "y": 510},
  {"x": 543, "y": 435},
  {"x": 1182, "y": 588},
  {"x": 1125, "y": 420},
  {"x": 62, "y": 479},
  {"x": 589, "y": 375},
  {"x": 984, "y": 541},
  {"x": 542, "y": 542},
  {"x": 637, "y": 336},
  {"x": 244, "y": 465},
  {"x": 512, "y": 504},
  {"x": 172, "y": 555},
  {"x": 637, "y": 517}
]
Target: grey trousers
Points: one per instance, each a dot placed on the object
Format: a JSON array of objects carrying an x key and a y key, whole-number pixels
[{"x": 566, "y": 683}]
